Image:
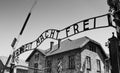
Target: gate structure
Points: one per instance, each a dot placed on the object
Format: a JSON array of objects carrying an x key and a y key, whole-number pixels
[
  {"x": 61, "y": 34},
  {"x": 76, "y": 29}
]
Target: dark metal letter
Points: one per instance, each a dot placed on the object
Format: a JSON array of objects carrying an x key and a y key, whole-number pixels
[
  {"x": 84, "y": 24},
  {"x": 67, "y": 30},
  {"x": 75, "y": 27}
]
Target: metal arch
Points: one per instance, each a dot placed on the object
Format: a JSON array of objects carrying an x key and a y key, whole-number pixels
[{"x": 109, "y": 22}]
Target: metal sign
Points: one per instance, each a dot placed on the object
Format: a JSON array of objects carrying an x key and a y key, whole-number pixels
[{"x": 81, "y": 26}]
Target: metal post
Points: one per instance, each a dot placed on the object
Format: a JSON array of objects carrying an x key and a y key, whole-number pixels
[
  {"x": 12, "y": 68},
  {"x": 114, "y": 57},
  {"x": 114, "y": 44},
  {"x": 12, "y": 64}
]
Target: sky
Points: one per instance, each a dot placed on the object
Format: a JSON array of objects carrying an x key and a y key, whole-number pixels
[{"x": 48, "y": 14}]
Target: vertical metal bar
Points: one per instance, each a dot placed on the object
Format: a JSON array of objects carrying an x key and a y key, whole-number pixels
[{"x": 109, "y": 20}]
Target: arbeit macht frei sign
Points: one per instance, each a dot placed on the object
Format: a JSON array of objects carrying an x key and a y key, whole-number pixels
[{"x": 81, "y": 26}]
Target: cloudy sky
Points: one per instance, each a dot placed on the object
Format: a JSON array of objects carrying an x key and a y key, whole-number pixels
[{"x": 48, "y": 14}]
